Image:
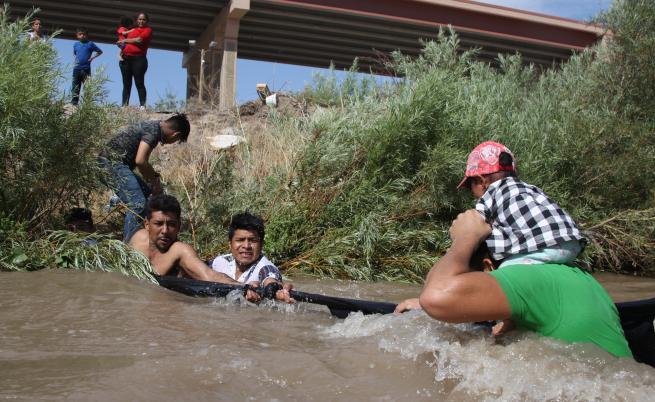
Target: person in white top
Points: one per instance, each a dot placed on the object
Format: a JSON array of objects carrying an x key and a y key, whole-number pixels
[{"x": 245, "y": 263}]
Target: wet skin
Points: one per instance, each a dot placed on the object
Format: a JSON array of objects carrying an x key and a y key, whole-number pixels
[
  {"x": 162, "y": 228},
  {"x": 246, "y": 247}
]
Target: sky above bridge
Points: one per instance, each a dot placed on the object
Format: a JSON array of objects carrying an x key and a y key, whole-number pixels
[{"x": 166, "y": 76}]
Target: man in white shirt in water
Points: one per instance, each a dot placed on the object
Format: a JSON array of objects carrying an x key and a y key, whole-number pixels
[{"x": 246, "y": 263}]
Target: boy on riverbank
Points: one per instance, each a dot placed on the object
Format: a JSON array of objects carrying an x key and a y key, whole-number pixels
[
  {"x": 35, "y": 32},
  {"x": 83, "y": 50}
]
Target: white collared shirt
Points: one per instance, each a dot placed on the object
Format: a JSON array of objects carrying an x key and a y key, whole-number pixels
[{"x": 257, "y": 272}]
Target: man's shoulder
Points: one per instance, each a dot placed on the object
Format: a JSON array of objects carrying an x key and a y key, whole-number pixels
[
  {"x": 87, "y": 44},
  {"x": 149, "y": 124},
  {"x": 139, "y": 240},
  {"x": 221, "y": 260},
  {"x": 141, "y": 128},
  {"x": 181, "y": 248},
  {"x": 265, "y": 262},
  {"x": 227, "y": 257},
  {"x": 151, "y": 127},
  {"x": 516, "y": 183}
]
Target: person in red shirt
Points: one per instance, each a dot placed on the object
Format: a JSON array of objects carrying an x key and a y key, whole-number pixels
[{"x": 135, "y": 63}]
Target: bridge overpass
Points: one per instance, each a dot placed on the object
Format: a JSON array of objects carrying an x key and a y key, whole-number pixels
[{"x": 315, "y": 32}]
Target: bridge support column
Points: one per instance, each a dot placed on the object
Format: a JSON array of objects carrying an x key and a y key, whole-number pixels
[{"x": 212, "y": 63}]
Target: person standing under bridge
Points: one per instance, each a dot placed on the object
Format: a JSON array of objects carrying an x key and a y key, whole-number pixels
[{"x": 135, "y": 63}]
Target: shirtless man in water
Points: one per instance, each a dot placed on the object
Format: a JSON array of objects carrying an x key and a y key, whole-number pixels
[{"x": 158, "y": 241}]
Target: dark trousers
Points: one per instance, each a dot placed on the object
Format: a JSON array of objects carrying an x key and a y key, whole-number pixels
[
  {"x": 79, "y": 76},
  {"x": 134, "y": 67}
]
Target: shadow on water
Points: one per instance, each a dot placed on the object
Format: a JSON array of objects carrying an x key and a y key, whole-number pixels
[{"x": 97, "y": 336}]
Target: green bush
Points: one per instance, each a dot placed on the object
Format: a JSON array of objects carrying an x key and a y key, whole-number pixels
[
  {"x": 48, "y": 155},
  {"x": 374, "y": 192},
  {"x": 49, "y": 160}
]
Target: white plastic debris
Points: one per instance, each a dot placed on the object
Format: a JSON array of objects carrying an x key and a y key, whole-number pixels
[
  {"x": 271, "y": 100},
  {"x": 224, "y": 141}
]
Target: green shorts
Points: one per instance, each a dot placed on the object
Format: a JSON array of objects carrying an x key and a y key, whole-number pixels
[{"x": 562, "y": 302}]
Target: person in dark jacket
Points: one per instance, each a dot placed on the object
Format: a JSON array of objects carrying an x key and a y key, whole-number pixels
[{"x": 130, "y": 149}]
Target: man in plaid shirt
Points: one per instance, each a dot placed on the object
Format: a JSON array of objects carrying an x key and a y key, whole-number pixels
[{"x": 527, "y": 226}]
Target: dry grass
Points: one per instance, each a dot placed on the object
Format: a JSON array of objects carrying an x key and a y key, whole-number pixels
[{"x": 272, "y": 143}]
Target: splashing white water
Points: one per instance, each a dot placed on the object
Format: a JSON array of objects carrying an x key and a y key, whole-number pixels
[{"x": 520, "y": 366}]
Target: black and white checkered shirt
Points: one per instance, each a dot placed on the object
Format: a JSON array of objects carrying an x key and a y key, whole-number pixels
[{"x": 523, "y": 219}]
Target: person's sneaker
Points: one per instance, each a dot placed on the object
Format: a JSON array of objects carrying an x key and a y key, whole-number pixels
[
  {"x": 69, "y": 109},
  {"x": 142, "y": 108},
  {"x": 113, "y": 201}
]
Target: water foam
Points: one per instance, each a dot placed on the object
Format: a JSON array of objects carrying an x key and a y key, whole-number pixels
[{"x": 520, "y": 366}]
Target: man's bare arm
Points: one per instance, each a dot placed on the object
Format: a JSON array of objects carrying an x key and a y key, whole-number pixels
[
  {"x": 145, "y": 168},
  {"x": 197, "y": 269},
  {"x": 454, "y": 294}
]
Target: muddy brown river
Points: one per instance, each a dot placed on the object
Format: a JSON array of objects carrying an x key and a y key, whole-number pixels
[{"x": 78, "y": 336}]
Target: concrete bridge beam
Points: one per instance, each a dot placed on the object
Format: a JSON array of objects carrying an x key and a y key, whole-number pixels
[{"x": 211, "y": 64}]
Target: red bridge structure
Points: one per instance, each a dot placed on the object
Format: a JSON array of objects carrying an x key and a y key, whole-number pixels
[{"x": 213, "y": 33}]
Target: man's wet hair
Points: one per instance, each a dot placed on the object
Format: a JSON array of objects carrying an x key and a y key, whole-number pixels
[
  {"x": 246, "y": 221},
  {"x": 162, "y": 203},
  {"x": 179, "y": 122},
  {"x": 78, "y": 214},
  {"x": 479, "y": 255}
]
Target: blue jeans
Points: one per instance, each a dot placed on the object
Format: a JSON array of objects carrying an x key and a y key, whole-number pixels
[{"x": 132, "y": 191}]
